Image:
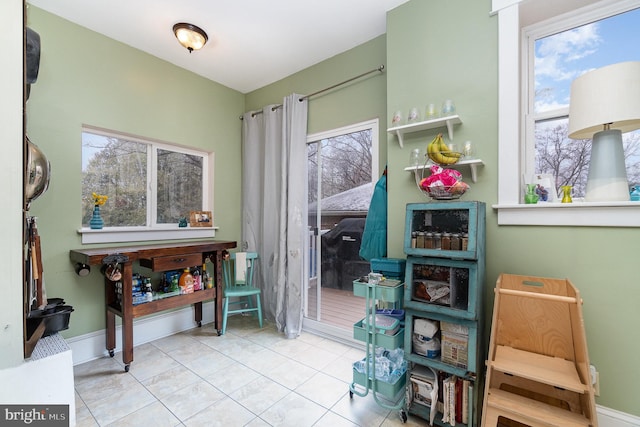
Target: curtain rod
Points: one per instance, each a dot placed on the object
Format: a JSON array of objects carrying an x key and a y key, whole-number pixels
[{"x": 380, "y": 69}]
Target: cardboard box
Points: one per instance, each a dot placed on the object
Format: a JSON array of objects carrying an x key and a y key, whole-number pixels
[
  {"x": 454, "y": 328},
  {"x": 454, "y": 349}
]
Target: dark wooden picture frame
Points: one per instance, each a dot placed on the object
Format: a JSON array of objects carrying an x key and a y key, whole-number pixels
[{"x": 200, "y": 219}]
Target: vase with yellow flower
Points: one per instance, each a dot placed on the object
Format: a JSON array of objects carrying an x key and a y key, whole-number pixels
[{"x": 96, "y": 221}]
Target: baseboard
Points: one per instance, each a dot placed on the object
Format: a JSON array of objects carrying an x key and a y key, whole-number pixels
[
  {"x": 608, "y": 417},
  {"x": 92, "y": 346}
]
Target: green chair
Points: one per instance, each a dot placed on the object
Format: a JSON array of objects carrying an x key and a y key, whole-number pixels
[{"x": 239, "y": 291}]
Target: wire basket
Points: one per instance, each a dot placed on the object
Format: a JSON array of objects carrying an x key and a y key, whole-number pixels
[
  {"x": 438, "y": 192},
  {"x": 444, "y": 193}
]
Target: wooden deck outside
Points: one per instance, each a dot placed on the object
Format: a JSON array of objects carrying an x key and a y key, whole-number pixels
[{"x": 339, "y": 307}]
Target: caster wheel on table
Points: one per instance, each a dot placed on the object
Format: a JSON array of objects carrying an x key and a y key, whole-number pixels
[
  {"x": 350, "y": 394},
  {"x": 126, "y": 368},
  {"x": 403, "y": 416},
  {"x": 219, "y": 332},
  {"x": 111, "y": 353},
  {"x": 199, "y": 324}
]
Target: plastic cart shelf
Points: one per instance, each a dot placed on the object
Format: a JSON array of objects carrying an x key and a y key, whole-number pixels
[{"x": 378, "y": 336}]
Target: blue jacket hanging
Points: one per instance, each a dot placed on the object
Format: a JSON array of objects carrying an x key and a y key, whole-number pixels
[{"x": 374, "y": 237}]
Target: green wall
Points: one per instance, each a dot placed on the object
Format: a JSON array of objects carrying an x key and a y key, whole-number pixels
[
  {"x": 357, "y": 101},
  {"x": 86, "y": 78},
  {"x": 448, "y": 49}
]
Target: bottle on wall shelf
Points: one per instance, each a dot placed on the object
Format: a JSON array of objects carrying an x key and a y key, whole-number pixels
[{"x": 186, "y": 282}]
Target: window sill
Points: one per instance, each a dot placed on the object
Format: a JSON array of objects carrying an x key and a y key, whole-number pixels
[
  {"x": 140, "y": 234},
  {"x": 602, "y": 214}
]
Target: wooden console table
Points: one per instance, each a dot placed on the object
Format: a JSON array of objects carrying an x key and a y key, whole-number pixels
[{"x": 161, "y": 257}]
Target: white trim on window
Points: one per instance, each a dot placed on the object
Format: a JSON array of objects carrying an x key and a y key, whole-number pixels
[
  {"x": 156, "y": 231},
  {"x": 510, "y": 134},
  {"x": 142, "y": 234},
  {"x": 508, "y": 106}
]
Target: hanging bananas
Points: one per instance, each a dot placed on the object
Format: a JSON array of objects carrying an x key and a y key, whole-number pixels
[{"x": 439, "y": 153}]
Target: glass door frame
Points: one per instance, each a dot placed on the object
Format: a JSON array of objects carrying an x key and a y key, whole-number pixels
[{"x": 315, "y": 324}]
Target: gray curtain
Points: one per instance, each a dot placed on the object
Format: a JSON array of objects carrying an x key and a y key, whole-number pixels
[{"x": 274, "y": 200}]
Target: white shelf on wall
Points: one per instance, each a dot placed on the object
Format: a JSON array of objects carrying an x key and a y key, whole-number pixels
[
  {"x": 472, "y": 163},
  {"x": 448, "y": 121}
]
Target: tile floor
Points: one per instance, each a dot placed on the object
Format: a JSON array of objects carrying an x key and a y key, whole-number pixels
[{"x": 247, "y": 377}]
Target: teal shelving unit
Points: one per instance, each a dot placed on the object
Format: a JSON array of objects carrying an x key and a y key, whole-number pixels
[{"x": 444, "y": 287}]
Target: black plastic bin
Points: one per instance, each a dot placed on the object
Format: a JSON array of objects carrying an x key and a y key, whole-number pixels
[{"x": 55, "y": 315}]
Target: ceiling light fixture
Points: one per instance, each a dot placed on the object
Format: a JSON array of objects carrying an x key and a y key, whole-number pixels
[{"x": 190, "y": 36}]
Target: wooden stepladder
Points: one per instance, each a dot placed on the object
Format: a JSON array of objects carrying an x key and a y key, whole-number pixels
[{"x": 538, "y": 371}]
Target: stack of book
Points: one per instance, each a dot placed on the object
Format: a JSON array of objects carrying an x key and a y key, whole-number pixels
[{"x": 455, "y": 400}]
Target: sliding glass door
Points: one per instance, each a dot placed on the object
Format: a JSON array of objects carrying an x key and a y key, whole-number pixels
[{"x": 342, "y": 167}]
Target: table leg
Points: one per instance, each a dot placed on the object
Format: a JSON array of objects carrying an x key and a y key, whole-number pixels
[
  {"x": 217, "y": 271},
  {"x": 110, "y": 317},
  {"x": 127, "y": 342},
  {"x": 111, "y": 332},
  {"x": 198, "y": 313},
  {"x": 127, "y": 315}
]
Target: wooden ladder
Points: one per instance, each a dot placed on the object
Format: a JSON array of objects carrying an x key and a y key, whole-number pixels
[{"x": 538, "y": 366}]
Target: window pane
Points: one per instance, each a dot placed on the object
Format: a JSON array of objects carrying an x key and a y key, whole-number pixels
[
  {"x": 559, "y": 59},
  {"x": 179, "y": 185},
  {"x": 562, "y": 57},
  {"x": 346, "y": 162},
  {"x": 566, "y": 159},
  {"x": 117, "y": 168}
]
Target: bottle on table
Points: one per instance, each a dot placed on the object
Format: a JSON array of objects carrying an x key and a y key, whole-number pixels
[
  {"x": 148, "y": 289},
  {"x": 207, "y": 280},
  {"x": 197, "y": 279},
  {"x": 174, "y": 283},
  {"x": 186, "y": 282}
]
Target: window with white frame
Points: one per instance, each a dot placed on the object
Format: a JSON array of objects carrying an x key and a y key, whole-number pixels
[
  {"x": 540, "y": 53},
  {"x": 557, "y": 52},
  {"x": 150, "y": 185}
]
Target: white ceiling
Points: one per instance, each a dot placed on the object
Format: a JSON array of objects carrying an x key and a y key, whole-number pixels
[{"x": 252, "y": 43}]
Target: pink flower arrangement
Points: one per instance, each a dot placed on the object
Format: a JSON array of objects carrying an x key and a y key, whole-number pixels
[{"x": 440, "y": 179}]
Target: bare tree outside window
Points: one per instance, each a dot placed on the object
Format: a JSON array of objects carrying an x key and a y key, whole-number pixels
[
  {"x": 116, "y": 168},
  {"x": 179, "y": 185},
  {"x": 346, "y": 163}
]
